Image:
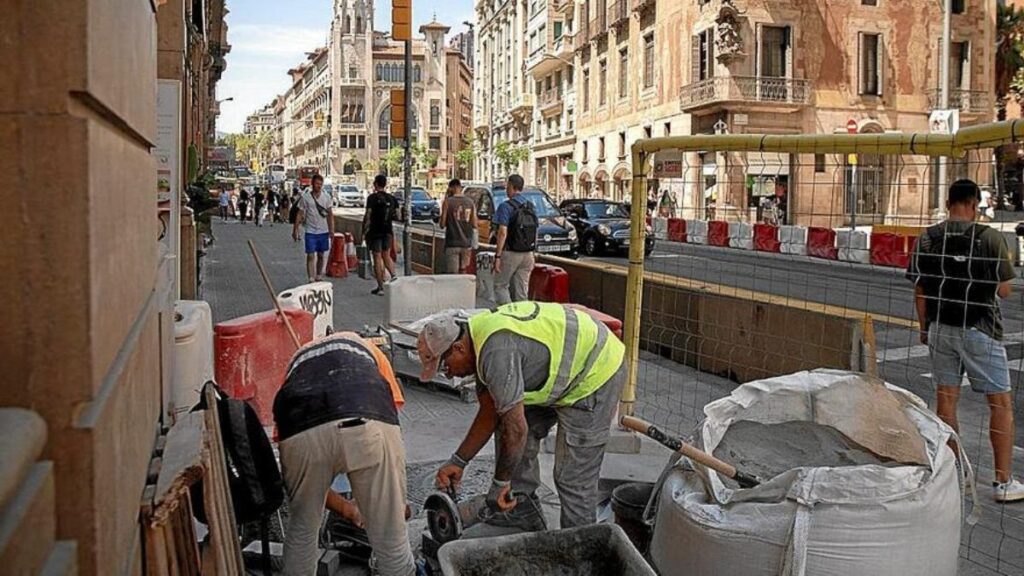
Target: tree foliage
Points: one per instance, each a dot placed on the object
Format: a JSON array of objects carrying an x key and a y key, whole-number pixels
[
  {"x": 510, "y": 155},
  {"x": 466, "y": 157},
  {"x": 1009, "y": 57}
]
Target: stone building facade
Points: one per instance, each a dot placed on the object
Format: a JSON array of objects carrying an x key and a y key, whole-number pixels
[
  {"x": 459, "y": 105},
  {"x": 306, "y": 128}
]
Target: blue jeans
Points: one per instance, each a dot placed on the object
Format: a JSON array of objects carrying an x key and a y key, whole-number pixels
[{"x": 956, "y": 351}]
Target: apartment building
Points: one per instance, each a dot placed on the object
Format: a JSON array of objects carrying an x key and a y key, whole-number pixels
[
  {"x": 550, "y": 32},
  {"x": 306, "y": 131},
  {"x": 263, "y": 120},
  {"x": 503, "y": 99},
  {"x": 367, "y": 65},
  {"x": 459, "y": 106}
]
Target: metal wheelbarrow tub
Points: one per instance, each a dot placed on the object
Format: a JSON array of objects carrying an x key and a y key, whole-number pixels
[{"x": 595, "y": 550}]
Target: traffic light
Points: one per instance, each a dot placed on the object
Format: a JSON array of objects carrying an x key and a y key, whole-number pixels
[
  {"x": 398, "y": 112},
  {"x": 401, "y": 19}
]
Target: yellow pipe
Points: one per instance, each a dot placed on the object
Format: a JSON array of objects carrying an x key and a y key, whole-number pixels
[{"x": 635, "y": 279}]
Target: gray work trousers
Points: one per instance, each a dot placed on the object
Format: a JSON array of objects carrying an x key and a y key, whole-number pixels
[
  {"x": 374, "y": 458},
  {"x": 513, "y": 283},
  {"x": 583, "y": 430}
]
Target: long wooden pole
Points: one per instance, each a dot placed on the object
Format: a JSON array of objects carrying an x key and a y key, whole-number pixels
[{"x": 273, "y": 296}]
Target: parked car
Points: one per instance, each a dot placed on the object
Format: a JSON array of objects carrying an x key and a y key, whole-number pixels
[
  {"x": 603, "y": 226},
  {"x": 348, "y": 195},
  {"x": 554, "y": 236},
  {"x": 424, "y": 207}
]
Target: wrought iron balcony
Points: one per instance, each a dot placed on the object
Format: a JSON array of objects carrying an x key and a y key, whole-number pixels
[
  {"x": 778, "y": 93},
  {"x": 967, "y": 101},
  {"x": 550, "y": 101}
]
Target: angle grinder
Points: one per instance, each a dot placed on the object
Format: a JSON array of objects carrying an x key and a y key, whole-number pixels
[{"x": 447, "y": 518}]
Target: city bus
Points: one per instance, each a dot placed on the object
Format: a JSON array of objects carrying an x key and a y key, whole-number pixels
[
  {"x": 274, "y": 173},
  {"x": 306, "y": 174}
]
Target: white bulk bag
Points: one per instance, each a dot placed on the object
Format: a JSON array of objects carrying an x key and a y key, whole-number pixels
[{"x": 825, "y": 521}]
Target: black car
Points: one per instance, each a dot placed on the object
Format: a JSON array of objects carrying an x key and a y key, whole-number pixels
[
  {"x": 554, "y": 235},
  {"x": 603, "y": 226},
  {"x": 423, "y": 206}
]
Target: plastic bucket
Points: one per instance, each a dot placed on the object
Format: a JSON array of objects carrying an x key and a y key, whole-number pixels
[{"x": 628, "y": 504}]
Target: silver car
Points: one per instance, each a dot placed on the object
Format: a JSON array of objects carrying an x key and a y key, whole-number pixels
[{"x": 348, "y": 195}]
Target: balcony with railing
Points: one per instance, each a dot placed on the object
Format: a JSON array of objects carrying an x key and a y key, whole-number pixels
[
  {"x": 619, "y": 12},
  {"x": 582, "y": 38},
  {"x": 563, "y": 46},
  {"x": 973, "y": 102},
  {"x": 777, "y": 94},
  {"x": 523, "y": 105},
  {"x": 551, "y": 102},
  {"x": 562, "y": 6}
]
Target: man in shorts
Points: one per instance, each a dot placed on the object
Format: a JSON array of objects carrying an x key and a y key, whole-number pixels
[
  {"x": 315, "y": 216},
  {"x": 378, "y": 233},
  {"x": 459, "y": 220},
  {"x": 959, "y": 269}
]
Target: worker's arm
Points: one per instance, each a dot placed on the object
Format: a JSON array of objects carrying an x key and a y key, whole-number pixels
[
  {"x": 480, "y": 432},
  {"x": 512, "y": 430},
  {"x": 443, "y": 222},
  {"x": 921, "y": 305},
  {"x": 1004, "y": 289}
]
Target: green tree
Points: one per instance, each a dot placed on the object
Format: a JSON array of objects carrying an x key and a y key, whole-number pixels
[
  {"x": 393, "y": 161},
  {"x": 1009, "y": 57},
  {"x": 510, "y": 155},
  {"x": 423, "y": 157},
  {"x": 466, "y": 157}
]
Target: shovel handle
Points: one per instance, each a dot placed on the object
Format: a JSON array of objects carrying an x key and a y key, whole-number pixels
[{"x": 691, "y": 452}]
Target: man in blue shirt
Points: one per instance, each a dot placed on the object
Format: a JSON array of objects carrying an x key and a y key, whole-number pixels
[{"x": 512, "y": 264}]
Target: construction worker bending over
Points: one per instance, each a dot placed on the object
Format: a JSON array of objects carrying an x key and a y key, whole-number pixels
[
  {"x": 338, "y": 413},
  {"x": 535, "y": 364}
]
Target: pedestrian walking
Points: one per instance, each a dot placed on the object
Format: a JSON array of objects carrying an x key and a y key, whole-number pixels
[
  {"x": 960, "y": 269},
  {"x": 381, "y": 209},
  {"x": 257, "y": 206},
  {"x": 224, "y": 200},
  {"x": 536, "y": 364},
  {"x": 272, "y": 206},
  {"x": 517, "y": 239},
  {"x": 337, "y": 412},
  {"x": 317, "y": 221},
  {"x": 459, "y": 221},
  {"x": 243, "y": 205},
  {"x": 293, "y": 212}
]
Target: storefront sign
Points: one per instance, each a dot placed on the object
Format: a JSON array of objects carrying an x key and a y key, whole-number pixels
[{"x": 668, "y": 164}]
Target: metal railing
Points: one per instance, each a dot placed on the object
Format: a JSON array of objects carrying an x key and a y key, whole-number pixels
[
  {"x": 550, "y": 98},
  {"x": 745, "y": 89},
  {"x": 968, "y": 101}
]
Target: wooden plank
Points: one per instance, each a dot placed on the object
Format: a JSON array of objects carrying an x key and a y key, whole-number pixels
[
  {"x": 182, "y": 462},
  {"x": 224, "y": 549}
]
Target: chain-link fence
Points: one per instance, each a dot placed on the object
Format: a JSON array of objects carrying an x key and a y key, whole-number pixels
[{"x": 775, "y": 254}]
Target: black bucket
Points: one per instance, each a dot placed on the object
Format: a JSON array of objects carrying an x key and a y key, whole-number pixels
[{"x": 628, "y": 504}]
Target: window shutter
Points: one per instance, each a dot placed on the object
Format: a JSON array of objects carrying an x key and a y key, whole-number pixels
[
  {"x": 860, "y": 63},
  {"x": 880, "y": 63},
  {"x": 694, "y": 58}
]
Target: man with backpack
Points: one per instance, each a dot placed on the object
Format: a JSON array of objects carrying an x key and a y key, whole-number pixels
[
  {"x": 516, "y": 240},
  {"x": 337, "y": 412},
  {"x": 959, "y": 269}
]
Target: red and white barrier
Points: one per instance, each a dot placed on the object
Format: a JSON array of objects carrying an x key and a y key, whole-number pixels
[
  {"x": 660, "y": 226},
  {"x": 853, "y": 246},
  {"x": 766, "y": 238},
  {"x": 891, "y": 249},
  {"x": 337, "y": 264},
  {"x": 741, "y": 235},
  {"x": 793, "y": 240},
  {"x": 613, "y": 323},
  {"x": 549, "y": 284},
  {"x": 821, "y": 243},
  {"x": 351, "y": 258},
  {"x": 718, "y": 233},
  {"x": 697, "y": 231},
  {"x": 676, "y": 230},
  {"x": 251, "y": 355}
]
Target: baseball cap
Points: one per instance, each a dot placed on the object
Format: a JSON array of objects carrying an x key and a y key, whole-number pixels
[{"x": 437, "y": 336}]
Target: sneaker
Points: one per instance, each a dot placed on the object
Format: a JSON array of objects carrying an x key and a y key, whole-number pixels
[
  {"x": 377, "y": 291},
  {"x": 1009, "y": 491}
]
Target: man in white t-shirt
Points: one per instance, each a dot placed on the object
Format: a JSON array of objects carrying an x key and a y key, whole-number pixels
[{"x": 317, "y": 222}]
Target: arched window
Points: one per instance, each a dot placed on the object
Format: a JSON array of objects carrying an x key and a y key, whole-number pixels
[
  {"x": 348, "y": 24},
  {"x": 380, "y": 72},
  {"x": 359, "y": 24}
]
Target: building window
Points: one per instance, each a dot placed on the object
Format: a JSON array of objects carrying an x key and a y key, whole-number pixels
[
  {"x": 359, "y": 24},
  {"x": 435, "y": 114},
  {"x": 703, "y": 56},
  {"x": 668, "y": 128},
  {"x": 558, "y": 30},
  {"x": 869, "y": 2},
  {"x": 819, "y": 163},
  {"x": 622, "y": 145},
  {"x": 648, "y": 131},
  {"x": 348, "y": 24},
  {"x": 602, "y": 84},
  {"x": 871, "y": 64},
  {"x": 623, "y": 73},
  {"x": 586, "y": 151},
  {"x": 959, "y": 6},
  {"x": 352, "y": 72},
  {"x": 959, "y": 65},
  {"x": 649, "y": 61},
  {"x": 380, "y": 73},
  {"x": 416, "y": 74},
  {"x": 435, "y": 142},
  {"x": 586, "y": 89},
  {"x": 774, "y": 51},
  {"x": 600, "y": 149}
]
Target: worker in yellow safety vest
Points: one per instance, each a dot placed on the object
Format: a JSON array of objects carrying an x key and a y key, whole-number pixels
[{"x": 536, "y": 364}]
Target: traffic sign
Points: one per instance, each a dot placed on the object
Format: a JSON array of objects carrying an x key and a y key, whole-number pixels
[{"x": 852, "y": 128}]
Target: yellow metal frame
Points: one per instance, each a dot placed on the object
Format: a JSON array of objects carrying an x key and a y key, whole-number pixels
[{"x": 970, "y": 138}]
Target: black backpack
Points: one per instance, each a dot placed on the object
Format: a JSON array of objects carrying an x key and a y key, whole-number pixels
[
  {"x": 257, "y": 489},
  {"x": 522, "y": 227},
  {"x": 958, "y": 278}
]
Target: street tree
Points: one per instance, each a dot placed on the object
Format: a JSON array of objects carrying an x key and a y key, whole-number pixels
[
  {"x": 393, "y": 161},
  {"x": 510, "y": 156},
  {"x": 466, "y": 157},
  {"x": 1009, "y": 84}
]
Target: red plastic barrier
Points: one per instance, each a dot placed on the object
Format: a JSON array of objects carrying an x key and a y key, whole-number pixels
[
  {"x": 549, "y": 284},
  {"x": 252, "y": 353},
  {"x": 350, "y": 252},
  {"x": 613, "y": 323},
  {"x": 676, "y": 230},
  {"x": 337, "y": 265},
  {"x": 891, "y": 249},
  {"x": 718, "y": 233},
  {"x": 821, "y": 243},
  {"x": 471, "y": 269},
  {"x": 766, "y": 238}
]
